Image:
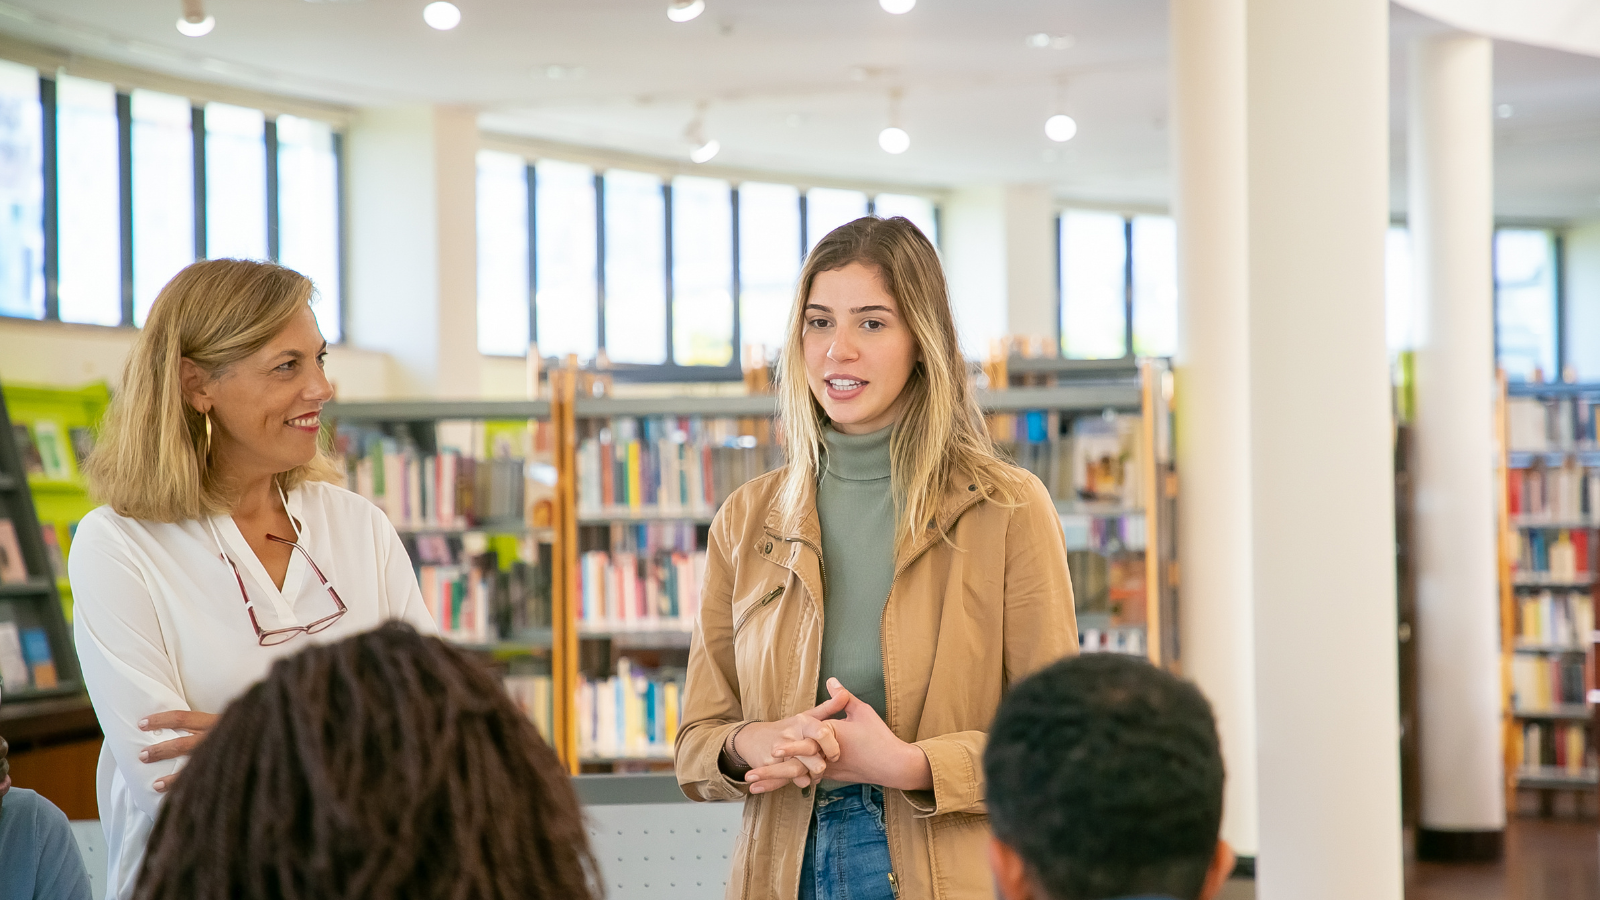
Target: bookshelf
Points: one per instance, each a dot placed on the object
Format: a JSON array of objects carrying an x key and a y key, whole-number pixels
[
  {"x": 37, "y": 659},
  {"x": 1548, "y": 470},
  {"x": 637, "y": 481}
]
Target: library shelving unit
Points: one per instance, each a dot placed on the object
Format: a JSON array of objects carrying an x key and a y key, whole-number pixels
[
  {"x": 637, "y": 481},
  {"x": 1549, "y": 477}
]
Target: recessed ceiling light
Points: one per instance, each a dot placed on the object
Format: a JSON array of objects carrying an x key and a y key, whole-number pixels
[
  {"x": 897, "y": 7},
  {"x": 1042, "y": 41},
  {"x": 196, "y": 29},
  {"x": 442, "y": 15},
  {"x": 684, "y": 10},
  {"x": 894, "y": 140},
  {"x": 1060, "y": 128}
]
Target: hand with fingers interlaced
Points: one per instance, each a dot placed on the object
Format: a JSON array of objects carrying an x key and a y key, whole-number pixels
[
  {"x": 843, "y": 739},
  {"x": 793, "y": 750}
]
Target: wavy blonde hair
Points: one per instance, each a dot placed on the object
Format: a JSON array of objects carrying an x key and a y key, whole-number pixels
[
  {"x": 150, "y": 459},
  {"x": 940, "y": 435}
]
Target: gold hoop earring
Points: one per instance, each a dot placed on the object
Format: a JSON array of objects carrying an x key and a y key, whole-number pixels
[{"x": 206, "y": 457}]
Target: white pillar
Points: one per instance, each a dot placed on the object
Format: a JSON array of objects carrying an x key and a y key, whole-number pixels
[
  {"x": 1213, "y": 388},
  {"x": 1581, "y": 293},
  {"x": 1322, "y": 491},
  {"x": 413, "y": 245},
  {"x": 999, "y": 257},
  {"x": 1451, "y": 217}
]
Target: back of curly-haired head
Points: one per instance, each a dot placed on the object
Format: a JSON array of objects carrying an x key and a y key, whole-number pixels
[
  {"x": 387, "y": 765},
  {"x": 1105, "y": 776}
]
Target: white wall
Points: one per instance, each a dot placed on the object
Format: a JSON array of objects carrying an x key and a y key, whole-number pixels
[
  {"x": 1000, "y": 259},
  {"x": 1582, "y": 297}
]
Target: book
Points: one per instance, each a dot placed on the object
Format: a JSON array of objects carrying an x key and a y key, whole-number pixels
[
  {"x": 41, "y": 664},
  {"x": 13, "y": 667},
  {"x": 634, "y": 714},
  {"x": 648, "y": 578},
  {"x": 666, "y": 465},
  {"x": 22, "y": 436},
  {"x": 52, "y": 550},
  {"x": 52, "y": 450},
  {"x": 82, "y": 445},
  {"x": 12, "y": 568}
]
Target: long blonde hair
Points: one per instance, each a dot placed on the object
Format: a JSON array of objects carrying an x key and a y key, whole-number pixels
[
  {"x": 150, "y": 459},
  {"x": 940, "y": 435}
]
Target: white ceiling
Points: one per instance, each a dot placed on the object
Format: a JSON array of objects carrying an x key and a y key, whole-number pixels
[{"x": 803, "y": 86}]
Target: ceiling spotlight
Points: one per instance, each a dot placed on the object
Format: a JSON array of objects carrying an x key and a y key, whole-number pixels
[
  {"x": 194, "y": 22},
  {"x": 702, "y": 148},
  {"x": 894, "y": 140},
  {"x": 1060, "y": 127},
  {"x": 1042, "y": 41},
  {"x": 441, "y": 15},
  {"x": 705, "y": 152},
  {"x": 684, "y": 10},
  {"x": 897, "y": 7}
]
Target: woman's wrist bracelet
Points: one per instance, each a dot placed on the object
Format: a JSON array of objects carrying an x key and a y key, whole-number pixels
[{"x": 732, "y": 749}]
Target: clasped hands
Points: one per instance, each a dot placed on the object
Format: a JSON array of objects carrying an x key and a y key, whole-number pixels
[{"x": 804, "y": 749}]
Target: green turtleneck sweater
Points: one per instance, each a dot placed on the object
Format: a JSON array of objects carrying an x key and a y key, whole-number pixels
[{"x": 857, "y": 512}]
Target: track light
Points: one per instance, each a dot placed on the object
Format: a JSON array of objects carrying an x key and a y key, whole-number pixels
[
  {"x": 441, "y": 15},
  {"x": 897, "y": 7},
  {"x": 1060, "y": 127},
  {"x": 194, "y": 22},
  {"x": 894, "y": 139},
  {"x": 684, "y": 10},
  {"x": 702, "y": 148}
]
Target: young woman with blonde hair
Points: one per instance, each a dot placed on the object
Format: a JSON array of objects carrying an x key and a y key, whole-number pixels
[
  {"x": 222, "y": 546},
  {"x": 866, "y": 606}
]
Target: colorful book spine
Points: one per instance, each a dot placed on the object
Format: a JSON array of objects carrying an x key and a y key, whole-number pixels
[
  {"x": 634, "y": 714},
  {"x": 666, "y": 465}
]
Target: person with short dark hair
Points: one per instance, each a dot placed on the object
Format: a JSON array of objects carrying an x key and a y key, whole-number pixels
[
  {"x": 1105, "y": 781},
  {"x": 386, "y": 765}
]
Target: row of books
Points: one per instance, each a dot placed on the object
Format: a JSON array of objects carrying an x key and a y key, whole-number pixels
[
  {"x": 1556, "y": 619},
  {"x": 634, "y": 714},
  {"x": 1542, "y": 424},
  {"x": 1097, "y": 462},
  {"x": 631, "y": 591},
  {"x": 1104, "y": 534},
  {"x": 1542, "y": 683},
  {"x": 1558, "y": 745},
  {"x": 1564, "y": 493},
  {"x": 14, "y": 568},
  {"x": 1112, "y": 640},
  {"x": 1556, "y": 555},
  {"x": 476, "y": 597},
  {"x": 1111, "y": 584},
  {"x": 666, "y": 465},
  {"x": 535, "y": 696},
  {"x": 25, "y": 659},
  {"x": 46, "y": 453}
]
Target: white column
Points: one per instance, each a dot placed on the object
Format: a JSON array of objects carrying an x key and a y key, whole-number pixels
[
  {"x": 1030, "y": 260},
  {"x": 1000, "y": 259},
  {"x": 1213, "y": 388},
  {"x": 413, "y": 245},
  {"x": 1451, "y": 217},
  {"x": 1581, "y": 293},
  {"x": 1322, "y": 491}
]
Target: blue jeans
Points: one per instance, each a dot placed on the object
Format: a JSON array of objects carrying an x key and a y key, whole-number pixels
[{"x": 847, "y": 848}]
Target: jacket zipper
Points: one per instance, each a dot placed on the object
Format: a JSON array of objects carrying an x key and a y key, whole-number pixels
[
  {"x": 894, "y": 884},
  {"x": 760, "y": 605}
]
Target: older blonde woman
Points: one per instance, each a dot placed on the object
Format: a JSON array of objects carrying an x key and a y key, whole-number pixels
[{"x": 222, "y": 545}]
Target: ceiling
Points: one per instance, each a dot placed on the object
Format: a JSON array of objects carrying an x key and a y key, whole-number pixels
[{"x": 804, "y": 87}]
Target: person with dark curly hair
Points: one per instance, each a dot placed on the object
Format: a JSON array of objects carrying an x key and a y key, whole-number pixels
[
  {"x": 1105, "y": 781},
  {"x": 386, "y": 765}
]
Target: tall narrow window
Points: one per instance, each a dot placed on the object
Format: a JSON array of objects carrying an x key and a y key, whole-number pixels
[
  {"x": 502, "y": 254},
  {"x": 636, "y": 268},
  {"x": 769, "y": 261},
  {"x": 163, "y": 194},
  {"x": 1525, "y": 303},
  {"x": 702, "y": 272},
  {"x": 565, "y": 293},
  {"x": 308, "y": 213},
  {"x": 21, "y": 193},
  {"x": 1399, "y": 310},
  {"x": 89, "y": 195},
  {"x": 828, "y": 208},
  {"x": 918, "y": 209},
  {"x": 1094, "y": 256},
  {"x": 236, "y": 182},
  {"x": 1155, "y": 286}
]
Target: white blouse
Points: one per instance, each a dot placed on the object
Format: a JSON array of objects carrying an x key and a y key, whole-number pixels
[{"x": 160, "y": 625}]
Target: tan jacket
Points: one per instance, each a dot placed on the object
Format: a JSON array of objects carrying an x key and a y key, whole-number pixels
[{"x": 964, "y": 619}]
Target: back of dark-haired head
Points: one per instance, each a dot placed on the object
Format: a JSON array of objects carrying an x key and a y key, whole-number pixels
[
  {"x": 1104, "y": 774},
  {"x": 387, "y": 765}
]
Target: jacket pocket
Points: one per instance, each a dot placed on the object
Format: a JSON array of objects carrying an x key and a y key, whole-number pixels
[{"x": 756, "y": 608}]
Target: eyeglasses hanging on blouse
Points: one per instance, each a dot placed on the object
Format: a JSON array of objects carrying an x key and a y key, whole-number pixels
[{"x": 272, "y": 637}]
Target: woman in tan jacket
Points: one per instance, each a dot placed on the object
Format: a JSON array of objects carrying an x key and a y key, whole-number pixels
[{"x": 866, "y": 606}]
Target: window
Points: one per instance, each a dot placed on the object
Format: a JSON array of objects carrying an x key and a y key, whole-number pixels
[
  {"x": 1525, "y": 303},
  {"x": 565, "y": 307},
  {"x": 828, "y": 208},
  {"x": 918, "y": 209},
  {"x": 308, "y": 214},
  {"x": 1399, "y": 309},
  {"x": 163, "y": 194},
  {"x": 769, "y": 261},
  {"x": 635, "y": 268},
  {"x": 1094, "y": 256},
  {"x": 89, "y": 202},
  {"x": 702, "y": 272},
  {"x": 502, "y": 254},
  {"x": 21, "y": 193},
  {"x": 236, "y": 182},
  {"x": 1155, "y": 285}
]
